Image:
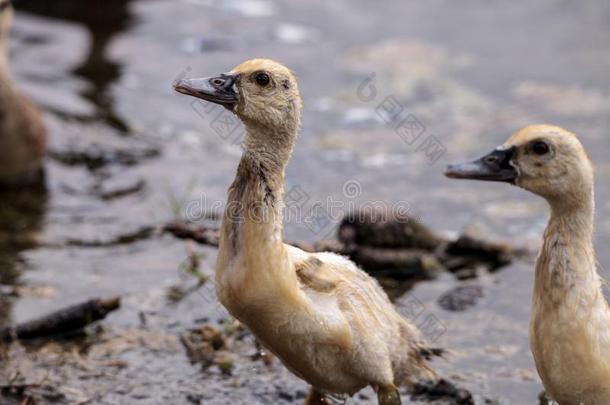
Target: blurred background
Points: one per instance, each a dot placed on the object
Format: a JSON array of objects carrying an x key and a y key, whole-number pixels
[{"x": 393, "y": 91}]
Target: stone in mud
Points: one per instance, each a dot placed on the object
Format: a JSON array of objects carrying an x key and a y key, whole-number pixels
[
  {"x": 399, "y": 264},
  {"x": 396, "y": 263},
  {"x": 475, "y": 249},
  {"x": 383, "y": 244},
  {"x": 209, "y": 346},
  {"x": 384, "y": 230},
  {"x": 461, "y": 297},
  {"x": 441, "y": 390}
]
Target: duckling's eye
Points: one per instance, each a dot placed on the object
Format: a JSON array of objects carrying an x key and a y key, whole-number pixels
[
  {"x": 262, "y": 79},
  {"x": 540, "y": 148}
]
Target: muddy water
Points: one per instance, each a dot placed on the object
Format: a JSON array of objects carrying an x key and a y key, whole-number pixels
[{"x": 465, "y": 76}]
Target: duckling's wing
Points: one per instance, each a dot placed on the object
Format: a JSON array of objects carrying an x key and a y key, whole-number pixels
[
  {"x": 311, "y": 271},
  {"x": 328, "y": 272}
]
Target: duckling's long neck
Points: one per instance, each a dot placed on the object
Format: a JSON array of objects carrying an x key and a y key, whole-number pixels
[
  {"x": 566, "y": 269},
  {"x": 569, "y": 319},
  {"x": 251, "y": 242},
  {"x": 567, "y": 299},
  {"x": 255, "y": 201}
]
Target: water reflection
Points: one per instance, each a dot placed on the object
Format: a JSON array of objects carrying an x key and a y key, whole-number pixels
[{"x": 103, "y": 23}]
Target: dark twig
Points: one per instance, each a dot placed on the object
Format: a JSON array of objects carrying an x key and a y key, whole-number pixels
[
  {"x": 63, "y": 321},
  {"x": 123, "y": 239},
  {"x": 200, "y": 234}
]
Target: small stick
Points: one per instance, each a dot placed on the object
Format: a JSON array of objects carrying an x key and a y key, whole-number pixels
[
  {"x": 65, "y": 320},
  {"x": 200, "y": 234}
]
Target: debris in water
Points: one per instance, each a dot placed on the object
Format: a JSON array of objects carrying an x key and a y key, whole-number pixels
[
  {"x": 63, "y": 321},
  {"x": 398, "y": 247},
  {"x": 380, "y": 230},
  {"x": 208, "y": 346},
  {"x": 200, "y": 234},
  {"x": 461, "y": 297},
  {"x": 142, "y": 233},
  {"x": 441, "y": 390},
  {"x": 472, "y": 247},
  {"x": 191, "y": 267},
  {"x": 94, "y": 157}
]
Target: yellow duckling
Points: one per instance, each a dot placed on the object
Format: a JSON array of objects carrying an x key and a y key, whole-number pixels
[
  {"x": 570, "y": 320},
  {"x": 23, "y": 138},
  {"x": 328, "y": 321}
]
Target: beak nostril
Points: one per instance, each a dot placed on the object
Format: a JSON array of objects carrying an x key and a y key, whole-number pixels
[
  {"x": 218, "y": 82},
  {"x": 491, "y": 160}
]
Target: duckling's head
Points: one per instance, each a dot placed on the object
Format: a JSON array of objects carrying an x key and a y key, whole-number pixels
[
  {"x": 6, "y": 19},
  {"x": 261, "y": 92},
  {"x": 544, "y": 159}
]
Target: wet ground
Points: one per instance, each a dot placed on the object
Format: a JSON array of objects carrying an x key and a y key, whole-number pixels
[{"x": 463, "y": 77}]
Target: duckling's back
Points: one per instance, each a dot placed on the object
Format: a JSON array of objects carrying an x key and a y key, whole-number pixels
[
  {"x": 375, "y": 323},
  {"x": 380, "y": 347}
]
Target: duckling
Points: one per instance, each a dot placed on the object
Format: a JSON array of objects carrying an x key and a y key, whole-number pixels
[
  {"x": 23, "y": 138},
  {"x": 327, "y": 321},
  {"x": 570, "y": 319}
]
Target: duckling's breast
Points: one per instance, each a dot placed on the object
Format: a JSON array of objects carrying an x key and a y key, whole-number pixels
[
  {"x": 570, "y": 349},
  {"x": 317, "y": 350}
]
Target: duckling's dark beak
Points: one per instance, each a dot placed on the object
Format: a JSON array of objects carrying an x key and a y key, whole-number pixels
[
  {"x": 496, "y": 166},
  {"x": 220, "y": 90}
]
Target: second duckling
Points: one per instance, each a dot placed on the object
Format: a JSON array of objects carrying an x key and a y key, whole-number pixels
[{"x": 570, "y": 319}]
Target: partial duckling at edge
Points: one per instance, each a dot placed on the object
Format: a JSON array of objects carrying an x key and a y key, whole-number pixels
[
  {"x": 570, "y": 319},
  {"x": 328, "y": 321},
  {"x": 23, "y": 138}
]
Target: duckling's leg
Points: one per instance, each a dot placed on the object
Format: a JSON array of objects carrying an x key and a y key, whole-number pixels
[
  {"x": 388, "y": 395},
  {"x": 315, "y": 397}
]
